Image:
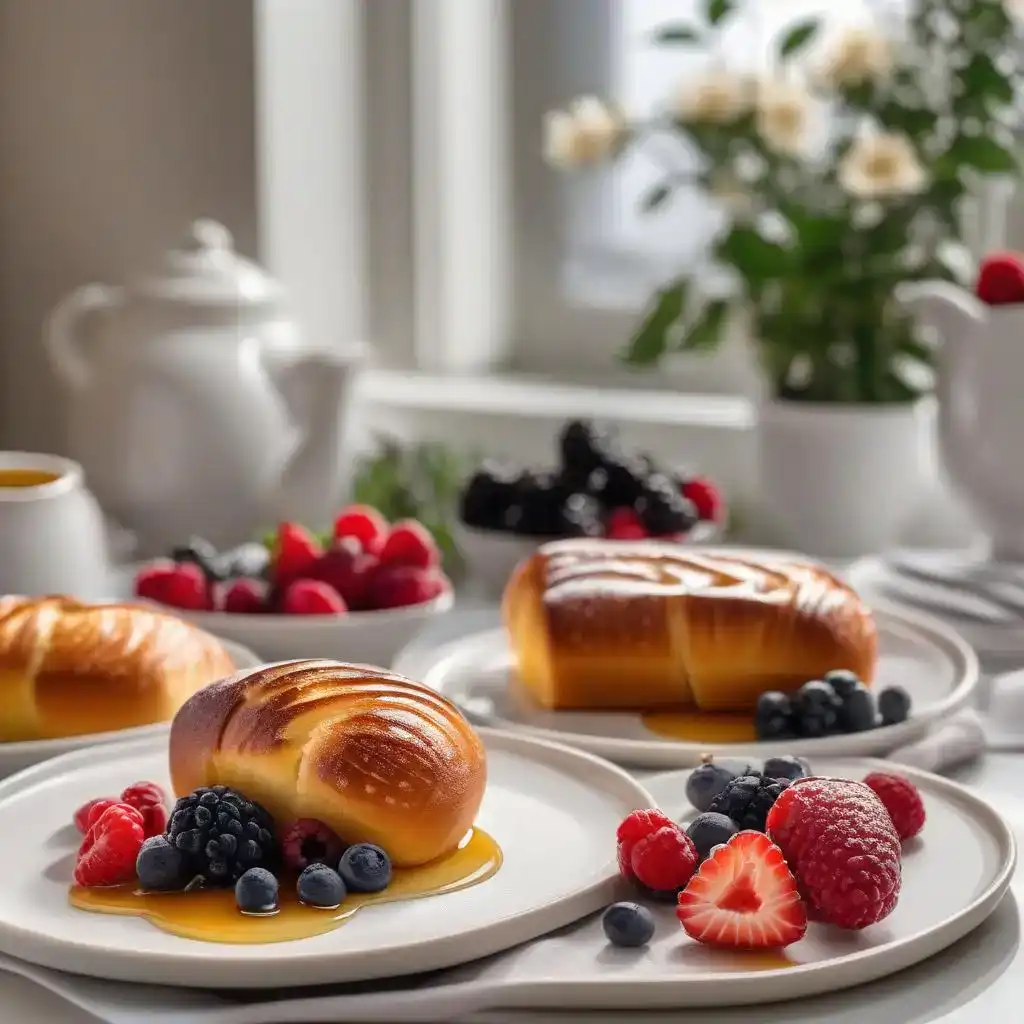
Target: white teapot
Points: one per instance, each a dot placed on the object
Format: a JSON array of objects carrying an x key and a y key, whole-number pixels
[
  {"x": 194, "y": 406},
  {"x": 980, "y": 377}
]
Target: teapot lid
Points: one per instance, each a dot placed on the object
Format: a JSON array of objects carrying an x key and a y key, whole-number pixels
[{"x": 204, "y": 269}]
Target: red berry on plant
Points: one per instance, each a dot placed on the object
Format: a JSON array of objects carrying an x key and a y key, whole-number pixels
[
  {"x": 410, "y": 543},
  {"x": 312, "y": 597},
  {"x": 365, "y": 524},
  {"x": 109, "y": 850}
]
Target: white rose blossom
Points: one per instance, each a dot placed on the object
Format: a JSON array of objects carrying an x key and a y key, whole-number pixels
[
  {"x": 857, "y": 57},
  {"x": 588, "y": 133},
  {"x": 882, "y": 166},
  {"x": 1015, "y": 9},
  {"x": 784, "y": 116},
  {"x": 716, "y": 97}
]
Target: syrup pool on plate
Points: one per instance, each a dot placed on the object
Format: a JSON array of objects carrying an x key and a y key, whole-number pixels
[
  {"x": 701, "y": 726},
  {"x": 211, "y": 915}
]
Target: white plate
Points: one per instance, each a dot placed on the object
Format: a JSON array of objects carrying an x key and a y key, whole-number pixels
[
  {"x": 552, "y": 810},
  {"x": 936, "y": 667},
  {"x": 16, "y": 756}
]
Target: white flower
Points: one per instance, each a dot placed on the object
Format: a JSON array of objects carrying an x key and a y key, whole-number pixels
[
  {"x": 1014, "y": 8},
  {"x": 858, "y": 56},
  {"x": 783, "y": 116},
  {"x": 880, "y": 166},
  {"x": 727, "y": 189},
  {"x": 715, "y": 98},
  {"x": 587, "y": 133}
]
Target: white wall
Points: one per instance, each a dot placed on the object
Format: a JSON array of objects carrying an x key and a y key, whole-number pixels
[{"x": 120, "y": 121}]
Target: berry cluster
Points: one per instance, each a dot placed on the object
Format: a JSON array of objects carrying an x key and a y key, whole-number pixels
[
  {"x": 366, "y": 564},
  {"x": 216, "y": 837},
  {"x": 769, "y": 851},
  {"x": 599, "y": 489},
  {"x": 836, "y": 704}
]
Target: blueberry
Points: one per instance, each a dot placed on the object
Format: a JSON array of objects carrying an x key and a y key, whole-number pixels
[
  {"x": 706, "y": 781},
  {"x": 160, "y": 865},
  {"x": 858, "y": 712},
  {"x": 893, "y": 705},
  {"x": 842, "y": 681},
  {"x": 787, "y": 767},
  {"x": 773, "y": 716},
  {"x": 365, "y": 868},
  {"x": 256, "y": 891},
  {"x": 816, "y": 709},
  {"x": 710, "y": 830},
  {"x": 320, "y": 886},
  {"x": 628, "y": 924}
]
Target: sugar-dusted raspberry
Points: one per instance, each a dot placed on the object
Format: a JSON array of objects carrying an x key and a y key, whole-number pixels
[
  {"x": 81, "y": 817},
  {"x": 665, "y": 860},
  {"x": 634, "y": 827},
  {"x": 839, "y": 841},
  {"x": 110, "y": 847},
  {"x": 901, "y": 799},
  {"x": 151, "y": 802}
]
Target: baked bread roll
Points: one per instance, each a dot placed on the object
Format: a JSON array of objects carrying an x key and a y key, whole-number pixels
[
  {"x": 68, "y": 668},
  {"x": 648, "y": 624},
  {"x": 375, "y": 757}
]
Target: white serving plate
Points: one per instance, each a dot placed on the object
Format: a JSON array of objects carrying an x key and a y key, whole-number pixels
[
  {"x": 955, "y": 876},
  {"x": 16, "y": 756},
  {"x": 549, "y": 808},
  {"x": 931, "y": 661}
]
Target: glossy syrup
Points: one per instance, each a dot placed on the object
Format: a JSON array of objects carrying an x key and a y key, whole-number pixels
[
  {"x": 212, "y": 916},
  {"x": 696, "y": 726}
]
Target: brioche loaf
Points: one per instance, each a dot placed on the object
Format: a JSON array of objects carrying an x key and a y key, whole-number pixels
[
  {"x": 68, "y": 668},
  {"x": 375, "y": 757},
  {"x": 648, "y": 624}
]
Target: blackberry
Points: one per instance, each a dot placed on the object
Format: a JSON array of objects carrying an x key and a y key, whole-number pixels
[
  {"x": 748, "y": 799},
  {"x": 584, "y": 446},
  {"x": 221, "y": 834},
  {"x": 580, "y": 516},
  {"x": 663, "y": 509},
  {"x": 487, "y": 495}
]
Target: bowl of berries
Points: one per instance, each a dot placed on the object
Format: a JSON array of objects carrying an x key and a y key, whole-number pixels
[
  {"x": 360, "y": 593},
  {"x": 598, "y": 488}
]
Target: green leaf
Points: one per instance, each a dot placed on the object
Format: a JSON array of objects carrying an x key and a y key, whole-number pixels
[
  {"x": 676, "y": 34},
  {"x": 757, "y": 259},
  {"x": 650, "y": 342},
  {"x": 655, "y": 197},
  {"x": 716, "y": 10},
  {"x": 706, "y": 332},
  {"x": 981, "y": 77},
  {"x": 916, "y": 350},
  {"x": 798, "y": 37},
  {"x": 981, "y": 153}
]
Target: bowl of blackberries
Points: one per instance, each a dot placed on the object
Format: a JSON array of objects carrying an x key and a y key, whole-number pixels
[{"x": 598, "y": 488}]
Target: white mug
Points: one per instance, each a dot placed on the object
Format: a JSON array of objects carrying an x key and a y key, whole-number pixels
[{"x": 53, "y": 539}]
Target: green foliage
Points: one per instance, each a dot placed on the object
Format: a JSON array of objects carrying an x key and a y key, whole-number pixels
[{"x": 819, "y": 291}]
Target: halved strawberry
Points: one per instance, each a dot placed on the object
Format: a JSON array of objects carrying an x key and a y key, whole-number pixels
[{"x": 743, "y": 897}]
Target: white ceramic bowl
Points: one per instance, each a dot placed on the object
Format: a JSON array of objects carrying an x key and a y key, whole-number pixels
[
  {"x": 491, "y": 555},
  {"x": 371, "y": 638}
]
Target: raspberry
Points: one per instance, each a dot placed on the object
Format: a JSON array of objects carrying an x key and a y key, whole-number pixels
[
  {"x": 625, "y": 524},
  {"x": 151, "y": 802},
  {"x": 81, "y": 817},
  {"x": 296, "y": 551},
  {"x": 183, "y": 585},
  {"x": 410, "y": 543},
  {"x": 1001, "y": 279},
  {"x": 706, "y": 498},
  {"x": 245, "y": 597},
  {"x": 398, "y": 586},
  {"x": 840, "y": 843},
  {"x": 110, "y": 847},
  {"x": 634, "y": 827},
  {"x": 365, "y": 524},
  {"x": 901, "y": 799},
  {"x": 348, "y": 569},
  {"x": 665, "y": 860},
  {"x": 308, "y": 841},
  {"x": 311, "y": 597}
]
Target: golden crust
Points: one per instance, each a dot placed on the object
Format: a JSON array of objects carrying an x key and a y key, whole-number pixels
[
  {"x": 376, "y": 757},
  {"x": 645, "y": 624}
]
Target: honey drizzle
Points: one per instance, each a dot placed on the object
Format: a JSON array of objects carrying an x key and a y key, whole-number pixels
[
  {"x": 212, "y": 915},
  {"x": 702, "y": 726}
]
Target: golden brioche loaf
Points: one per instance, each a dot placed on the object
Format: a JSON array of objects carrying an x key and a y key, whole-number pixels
[
  {"x": 374, "y": 756},
  {"x": 68, "y": 668},
  {"x": 648, "y": 624}
]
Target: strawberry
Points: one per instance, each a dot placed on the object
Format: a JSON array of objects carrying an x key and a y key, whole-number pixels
[
  {"x": 180, "y": 585},
  {"x": 311, "y": 597},
  {"x": 743, "y": 897},
  {"x": 625, "y": 524},
  {"x": 1001, "y": 279},
  {"x": 398, "y": 586},
  {"x": 706, "y": 498},
  {"x": 348, "y": 569},
  {"x": 245, "y": 597},
  {"x": 295, "y": 553},
  {"x": 410, "y": 543},
  {"x": 365, "y": 524}
]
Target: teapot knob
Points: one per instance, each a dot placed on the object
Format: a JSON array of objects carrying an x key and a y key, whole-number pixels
[{"x": 205, "y": 235}]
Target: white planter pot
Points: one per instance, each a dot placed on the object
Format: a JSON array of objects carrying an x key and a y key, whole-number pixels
[{"x": 839, "y": 481}]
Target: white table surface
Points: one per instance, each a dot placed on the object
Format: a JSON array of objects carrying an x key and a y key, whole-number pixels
[{"x": 980, "y": 980}]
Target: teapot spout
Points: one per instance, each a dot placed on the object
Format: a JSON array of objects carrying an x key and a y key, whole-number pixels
[{"x": 317, "y": 388}]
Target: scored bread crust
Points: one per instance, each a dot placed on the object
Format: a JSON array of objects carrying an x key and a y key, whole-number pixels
[
  {"x": 649, "y": 624},
  {"x": 68, "y": 667},
  {"x": 374, "y": 756}
]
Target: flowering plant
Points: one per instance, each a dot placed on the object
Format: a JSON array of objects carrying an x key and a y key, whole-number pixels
[{"x": 840, "y": 172}]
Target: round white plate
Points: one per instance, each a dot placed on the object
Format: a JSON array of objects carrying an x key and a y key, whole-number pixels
[
  {"x": 16, "y": 756},
  {"x": 552, "y": 810},
  {"x": 936, "y": 667}
]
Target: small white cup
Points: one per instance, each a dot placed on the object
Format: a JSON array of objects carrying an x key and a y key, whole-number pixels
[{"x": 53, "y": 539}]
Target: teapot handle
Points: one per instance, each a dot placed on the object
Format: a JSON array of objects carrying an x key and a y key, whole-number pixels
[{"x": 61, "y": 337}]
